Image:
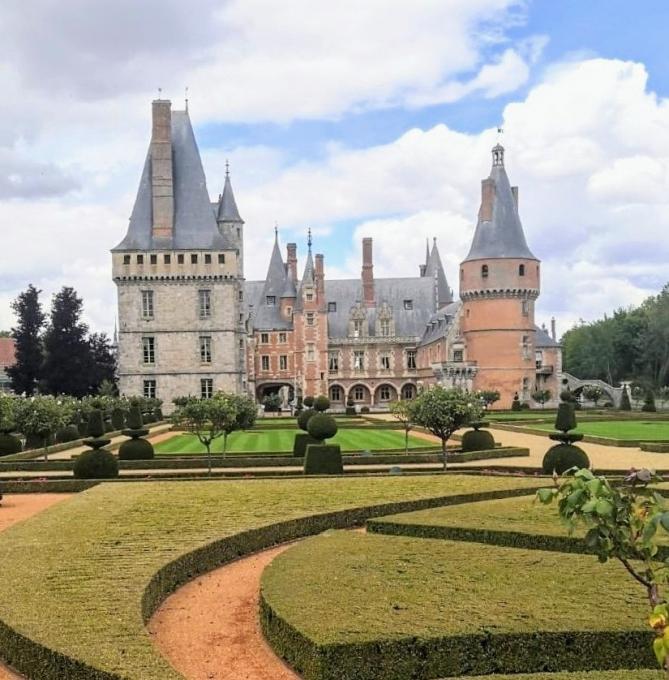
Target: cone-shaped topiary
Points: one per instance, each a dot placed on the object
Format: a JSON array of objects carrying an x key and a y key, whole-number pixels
[
  {"x": 649, "y": 402},
  {"x": 566, "y": 417},
  {"x": 565, "y": 455},
  {"x": 117, "y": 419},
  {"x": 625, "y": 403},
  {"x": 322, "y": 426},
  {"x": 9, "y": 444},
  {"x": 96, "y": 426},
  {"x": 135, "y": 448},
  {"x": 303, "y": 418},
  {"x": 515, "y": 404},
  {"x": 308, "y": 402},
  {"x": 67, "y": 434},
  {"x": 321, "y": 403},
  {"x": 477, "y": 439},
  {"x": 98, "y": 463}
]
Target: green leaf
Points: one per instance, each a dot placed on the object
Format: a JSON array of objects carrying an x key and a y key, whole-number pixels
[
  {"x": 604, "y": 508},
  {"x": 660, "y": 650},
  {"x": 664, "y": 520},
  {"x": 584, "y": 473},
  {"x": 546, "y": 495},
  {"x": 589, "y": 506}
]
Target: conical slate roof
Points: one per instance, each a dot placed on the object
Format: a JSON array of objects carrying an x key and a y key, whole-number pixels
[
  {"x": 502, "y": 236},
  {"x": 275, "y": 281},
  {"x": 194, "y": 223},
  {"x": 435, "y": 270},
  {"x": 227, "y": 206}
]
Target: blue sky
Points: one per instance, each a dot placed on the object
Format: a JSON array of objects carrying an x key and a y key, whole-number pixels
[{"x": 355, "y": 119}]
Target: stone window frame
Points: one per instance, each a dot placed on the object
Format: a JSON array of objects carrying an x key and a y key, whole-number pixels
[
  {"x": 411, "y": 355},
  {"x": 180, "y": 258},
  {"x": 264, "y": 362},
  {"x": 206, "y": 388},
  {"x": 270, "y": 300},
  {"x": 408, "y": 391},
  {"x": 221, "y": 258},
  {"x": 311, "y": 351},
  {"x": 310, "y": 318},
  {"x": 283, "y": 362},
  {"x": 525, "y": 307},
  {"x": 384, "y": 393},
  {"x": 140, "y": 259},
  {"x": 283, "y": 337},
  {"x": 333, "y": 362},
  {"x": 358, "y": 393},
  {"x": 126, "y": 259},
  {"x": 205, "y": 349},
  {"x": 408, "y": 304},
  {"x": 384, "y": 361},
  {"x": 149, "y": 350},
  {"x": 336, "y": 393},
  {"x": 193, "y": 258},
  {"x": 148, "y": 308},
  {"x": 149, "y": 388},
  {"x": 204, "y": 303},
  {"x": 458, "y": 355},
  {"x": 359, "y": 360},
  {"x": 153, "y": 259},
  {"x": 264, "y": 338},
  {"x": 207, "y": 258},
  {"x": 332, "y": 306}
]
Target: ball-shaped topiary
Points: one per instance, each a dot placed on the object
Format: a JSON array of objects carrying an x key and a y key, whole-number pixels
[
  {"x": 95, "y": 464},
  {"x": 308, "y": 402},
  {"x": 322, "y": 426},
  {"x": 304, "y": 417},
  {"x": 135, "y": 449},
  {"x": 321, "y": 403},
  {"x": 9, "y": 444},
  {"x": 477, "y": 440},
  {"x": 562, "y": 457}
]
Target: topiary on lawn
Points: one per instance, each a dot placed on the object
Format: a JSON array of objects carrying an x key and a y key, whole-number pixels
[
  {"x": 477, "y": 439},
  {"x": 322, "y": 426},
  {"x": 98, "y": 463},
  {"x": 323, "y": 459},
  {"x": 67, "y": 434},
  {"x": 565, "y": 455},
  {"x": 300, "y": 443},
  {"x": 308, "y": 402},
  {"x": 304, "y": 417},
  {"x": 515, "y": 404},
  {"x": 135, "y": 448},
  {"x": 321, "y": 403},
  {"x": 625, "y": 403},
  {"x": 9, "y": 444},
  {"x": 117, "y": 419},
  {"x": 649, "y": 402}
]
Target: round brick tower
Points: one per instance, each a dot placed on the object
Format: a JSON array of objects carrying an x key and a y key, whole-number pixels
[{"x": 499, "y": 282}]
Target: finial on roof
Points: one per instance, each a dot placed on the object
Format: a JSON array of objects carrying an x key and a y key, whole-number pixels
[
  {"x": 309, "y": 238},
  {"x": 276, "y": 232},
  {"x": 160, "y": 93},
  {"x": 186, "y": 97},
  {"x": 227, "y": 168},
  {"x": 434, "y": 240},
  {"x": 498, "y": 155}
]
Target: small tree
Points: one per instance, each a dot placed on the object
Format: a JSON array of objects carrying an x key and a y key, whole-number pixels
[
  {"x": 489, "y": 397},
  {"x": 541, "y": 397},
  {"x": 442, "y": 411},
  {"x": 624, "y": 523},
  {"x": 649, "y": 402},
  {"x": 39, "y": 418},
  {"x": 625, "y": 403},
  {"x": 592, "y": 393},
  {"x": 403, "y": 411}
]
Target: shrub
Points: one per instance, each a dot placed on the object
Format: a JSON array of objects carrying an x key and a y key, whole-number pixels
[
  {"x": 562, "y": 457},
  {"x": 96, "y": 427},
  {"x": 308, "y": 402},
  {"x": 135, "y": 449},
  {"x": 117, "y": 419},
  {"x": 625, "y": 403},
  {"x": 350, "y": 411},
  {"x": 67, "y": 434},
  {"x": 515, "y": 404},
  {"x": 135, "y": 421},
  {"x": 524, "y": 406},
  {"x": 96, "y": 464},
  {"x": 350, "y": 402},
  {"x": 322, "y": 426},
  {"x": 323, "y": 459},
  {"x": 364, "y": 409},
  {"x": 321, "y": 403},
  {"x": 565, "y": 419},
  {"x": 303, "y": 418},
  {"x": 649, "y": 403},
  {"x": 9, "y": 444},
  {"x": 302, "y": 440},
  {"x": 477, "y": 440}
]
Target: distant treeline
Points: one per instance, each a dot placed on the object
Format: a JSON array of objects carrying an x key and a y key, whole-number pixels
[{"x": 633, "y": 344}]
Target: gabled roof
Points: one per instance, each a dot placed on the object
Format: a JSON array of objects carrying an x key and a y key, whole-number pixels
[
  {"x": 543, "y": 340},
  {"x": 440, "y": 323},
  {"x": 194, "y": 222},
  {"x": 502, "y": 236},
  {"x": 227, "y": 206}
]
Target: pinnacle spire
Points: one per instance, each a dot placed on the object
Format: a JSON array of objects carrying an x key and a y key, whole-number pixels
[
  {"x": 227, "y": 206},
  {"x": 435, "y": 270}
]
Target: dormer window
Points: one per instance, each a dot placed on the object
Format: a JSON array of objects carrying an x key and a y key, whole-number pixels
[
  {"x": 484, "y": 271},
  {"x": 332, "y": 306},
  {"x": 271, "y": 300},
  {"x": 357, "y": 328},
  {"x": 521, "y": 270},
  {"x": 408, "y": 304},
  {"x": 309, "y": 297}
]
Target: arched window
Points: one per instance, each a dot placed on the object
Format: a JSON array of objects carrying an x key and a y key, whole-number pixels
[
  {"x": 335, "y": 393},
  {"x": 521, "y": 270},
  {"x": 484, "y": 271},
  {"x": 358, "y": 393}
]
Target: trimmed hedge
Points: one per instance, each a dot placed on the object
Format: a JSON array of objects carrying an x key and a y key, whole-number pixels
[
  {"x": 323, "y": 459},
  {"x": 9, "y": 444},
  {"x": 302, "y": 440},
  {"x": 477, "y": 440},
  {"x": 562, "y": 457}
]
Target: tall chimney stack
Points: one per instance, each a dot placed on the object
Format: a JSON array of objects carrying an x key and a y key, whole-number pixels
[
  {"x": 487, "y": 197},
  {"x": 553, "y": 333},
  {"x": 368, "y": 299},
  {"x": 162, "y": 183},
  {"x": 291, "y": 261},
  {"x": 319, "y": 279}
]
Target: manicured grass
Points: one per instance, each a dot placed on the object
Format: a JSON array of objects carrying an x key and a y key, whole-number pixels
[
  {"x": 254, "y": 441},
  {"x": 635, "y": 430},
  {"x": 74, "y": 577},
  {"x": 468, "y": 607},
  {"x": 519, "y": 415},
  {"x": 634, "y": 674}
]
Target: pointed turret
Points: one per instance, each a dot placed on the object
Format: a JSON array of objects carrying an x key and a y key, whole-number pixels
[
  {"x": 435, "y": 269},
  {"x": 227, "y": 206},
  {"x": 499, "y": 232},
  {"x": 308, "y": 276}
]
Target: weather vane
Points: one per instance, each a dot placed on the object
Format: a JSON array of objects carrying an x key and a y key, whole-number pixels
[{"x": 186, "y": 97}]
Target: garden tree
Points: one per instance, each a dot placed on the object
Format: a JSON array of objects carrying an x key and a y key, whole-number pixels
[
  {"x": 8, "y": 442},
  {"x": 272, "y": 402},
  {"x": 489, "y": 397},
  {"x": 39, "y": 418},
  {"x": 649, "y": 402},
  {"x": 541, "y": 396},
  {"x": 5, "y": 334},
  {"x": 403, "y": 412},
  {"x": 67, "y": 357},
  {"x": 592, "y": 393},
  {"x": 25, "y": 374},
  {"x": 624, "y": 522},
  {"x": 102, "y": 370},
  {"x": 98, "y": 463},
  {"x": 442, "y": 411},
  {"x": 663, "y": 394}
]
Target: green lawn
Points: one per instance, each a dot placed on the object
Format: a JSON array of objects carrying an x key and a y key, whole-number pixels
[
  {"x": 382, "y": 596},
  {"x": 635, "y": 430},
  {"x": 75, "y": 575},
  {"x": 519, "y": 415},
  {"x": 277, "y": 441}
]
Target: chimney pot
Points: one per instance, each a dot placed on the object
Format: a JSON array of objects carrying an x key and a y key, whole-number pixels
[
  {"x": 487, "y": 198},
  {"x": 162, "y": 181},
  {"x": 368, "y": 299}
]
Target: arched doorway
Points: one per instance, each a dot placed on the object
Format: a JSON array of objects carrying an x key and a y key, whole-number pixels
[
  {"x": 360, "y": 394},
  {"x": 336, "y": 393},
  {"x": 408, "y": 391},
  {"x": 276, "y": 395},
  {"x": 384, "y": 394}
]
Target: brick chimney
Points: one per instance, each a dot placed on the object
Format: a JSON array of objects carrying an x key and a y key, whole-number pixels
[
  {"x": 319, "y": 279},
  {"x": 162, "y": 184},
  {"x": 368, "y": 299},
  {"x": 291, "y": 261},
  {"x": 487, "y": 198},
  {"x": 553, "y": 329}
]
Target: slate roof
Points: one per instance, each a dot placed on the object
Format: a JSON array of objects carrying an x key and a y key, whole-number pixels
[
  {"x": 543, "y": 339},
  {"x": 195, "y": 225},
  {"x": 440, "y": 322},
  {"x": 435, "y": 269},
  {"x": 227, "y": 206},
  {"x": 502, "y": 236}
]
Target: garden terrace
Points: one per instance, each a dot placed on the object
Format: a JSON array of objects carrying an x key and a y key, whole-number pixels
[
  {"x": 101, "y": 562},
  {"x": 616, "y": 432}
]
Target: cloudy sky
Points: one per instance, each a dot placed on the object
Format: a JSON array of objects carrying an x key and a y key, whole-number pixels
[{"x": 370, "y": 118}]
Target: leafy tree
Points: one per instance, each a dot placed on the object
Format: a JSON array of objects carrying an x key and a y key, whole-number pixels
[
  {"x": 25, "y": 374},
  {"x": 592, "y": 393},
  {"x": 39, "y": 418},
  {"x": 102, "y": 369},
  {"x": 67, "y": 361},
  {"x": 624, "y": 523},
  {"x": 541, "y": 397},
  {"x": 5, "y": 334},
  {"x": 443, "y": 411},
  {"x": 403, "y": 411},
  {"x": 489, "y": 397}
]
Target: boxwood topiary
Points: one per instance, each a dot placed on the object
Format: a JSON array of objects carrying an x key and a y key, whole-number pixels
[
  {"x": 515, "y": 404},
  {"x": 364, "y": 409},
  {"x": 300, "y": 443},
  {"x": 321, "y": 403},
  {"x": 117, "y": 419},
  {"x": 304, "y": 417},
  {"x": 96, "y": 464},
  {"x": 562, "y": 457},
  {"x": 308, "y": 402},
  {"x": 350, "y": 411},
  {"x": 135, "y": 448},
  {"x": 9, "y": 444},
  {"x": 67, "y": 434},
  {"x": 322, "y": 426},
  {"x": 477, "y": 440},
  {"x": 565, "y": 419},
  {"x": 323, "y": 459}
]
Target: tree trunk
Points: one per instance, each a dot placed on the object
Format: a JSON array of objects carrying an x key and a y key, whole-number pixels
[
  {"x": 406, "y": 442},
  {"x": 208, "y": 445},
  {"x": 444, "y": 453},
  {"x": 225, "y": 443}
]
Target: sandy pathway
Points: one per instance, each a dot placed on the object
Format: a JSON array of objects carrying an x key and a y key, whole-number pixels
[
  {"x": 209, "y": 630},
  {"x": 14, "y": 509}
]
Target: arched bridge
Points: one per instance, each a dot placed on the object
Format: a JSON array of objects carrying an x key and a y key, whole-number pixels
[{"x": 614, "y": 394}]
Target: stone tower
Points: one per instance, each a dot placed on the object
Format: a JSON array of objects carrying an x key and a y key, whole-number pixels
[
  {"x": 179, "y": 275},
  {"x": 499, "y": 283}
]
